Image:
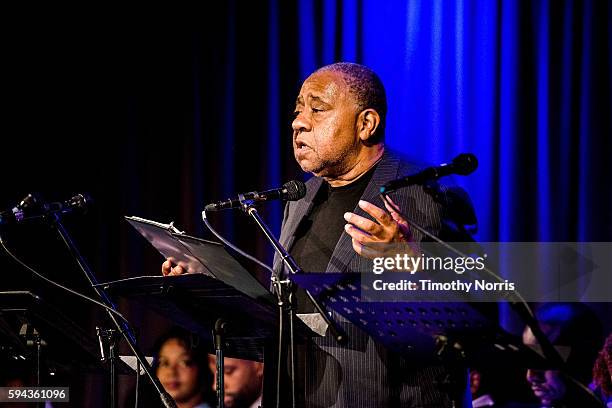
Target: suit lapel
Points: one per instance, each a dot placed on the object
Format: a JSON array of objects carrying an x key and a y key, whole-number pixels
[
  {"x": 385, "y": 171},
  {"x": 295, "y": 215},
  {"x": 300, "y": 210}
]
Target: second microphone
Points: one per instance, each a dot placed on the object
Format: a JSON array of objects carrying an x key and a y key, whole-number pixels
[{"x": 291, "y": 191}]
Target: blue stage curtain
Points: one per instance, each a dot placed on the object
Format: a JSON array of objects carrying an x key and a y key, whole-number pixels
[{"x": 523, "y": 85}]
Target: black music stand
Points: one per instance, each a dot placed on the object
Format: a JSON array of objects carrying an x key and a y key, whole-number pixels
[
  {"x": 457, "y": 333},
  {"x": 407, "y": 327},
  {"x": 219, "y": 288},
  {"x": 197, "y": 301},
  {"x": 27, "y": 321}
]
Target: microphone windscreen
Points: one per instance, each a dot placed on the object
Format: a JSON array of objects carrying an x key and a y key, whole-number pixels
[
  {"x": 81, "y": 201},
  {"x": 465, "y": 164},
  {"x": 295, "y": 190}
]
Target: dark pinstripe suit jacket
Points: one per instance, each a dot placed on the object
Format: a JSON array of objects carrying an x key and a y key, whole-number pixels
[{"x": 362, "y": 373}]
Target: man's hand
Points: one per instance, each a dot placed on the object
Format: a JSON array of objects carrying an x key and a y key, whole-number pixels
[
  {"x": 171, "y": 268},
  {"x": 373, "y": 239}
]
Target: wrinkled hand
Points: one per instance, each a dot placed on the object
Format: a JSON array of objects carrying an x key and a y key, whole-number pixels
[
  {"x": 373, "y": 239},
  {"x": 171, "y": 268}
]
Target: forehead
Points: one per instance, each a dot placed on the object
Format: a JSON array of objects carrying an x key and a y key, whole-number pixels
[
  {"x": 236, "y": 363},
  {"x": 173, "y": 347},
  {"x": 326, "y": 85}
]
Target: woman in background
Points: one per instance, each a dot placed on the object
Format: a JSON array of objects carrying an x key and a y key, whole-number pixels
[{"x": 182, "y": 368}]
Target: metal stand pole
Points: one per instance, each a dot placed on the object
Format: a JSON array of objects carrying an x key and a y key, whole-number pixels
[
  {"x": 284, "y": 290},
  {"x": 249, "y": 208},
  {"x": 122, "y": 327},
  {"x": 219, "y": 335},
  {"x": 107, "y": 339}
]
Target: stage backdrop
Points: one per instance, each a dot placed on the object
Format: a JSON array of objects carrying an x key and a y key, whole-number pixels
[{"x": 157, "y": 114}]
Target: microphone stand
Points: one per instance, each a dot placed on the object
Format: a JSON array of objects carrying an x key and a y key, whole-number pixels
[
  {"x": 285, "y": 289},
  {"x": 122, "y": 326},
  {"x": 219, "y": 340},
  {"x": 520, "y": 306}
]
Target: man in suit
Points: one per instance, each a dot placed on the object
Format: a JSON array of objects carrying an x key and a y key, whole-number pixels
[
  {"x": 341, "y": 223},
  {"x": 338, "y": 136}
]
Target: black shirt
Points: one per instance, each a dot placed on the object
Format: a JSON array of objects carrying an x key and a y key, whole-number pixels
[{"x": 319, "y": 232}]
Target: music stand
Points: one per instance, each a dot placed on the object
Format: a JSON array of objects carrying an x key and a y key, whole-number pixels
[
  {"x": 65, "y": 346},
  {"x": 457, "y": 333},
  {"x": 219, "y": 289},
  {"x": 196, "y": 301}
]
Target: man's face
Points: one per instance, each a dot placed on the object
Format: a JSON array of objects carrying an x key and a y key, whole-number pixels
[
  {"x": 178, "y": 373},
  {"x": 242, "y": 381},
  {"x": 547, "y": 385},
  {"x": 325, "y": 136}
]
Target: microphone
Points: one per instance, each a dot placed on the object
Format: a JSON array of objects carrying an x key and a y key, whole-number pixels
[
  {"x": 30, "y": 207},
  {"x": 290, "y": 191},
  {"x": 463, "y": 165}
]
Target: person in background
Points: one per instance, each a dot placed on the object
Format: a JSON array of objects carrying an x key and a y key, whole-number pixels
[
  {"x": 498, "y": 387},
  {"x": 602, "y": 373},
  {"x": 575, "y": 332},
  {"x": 182, "y": 369},
  {"x": 243, "y": 380}
]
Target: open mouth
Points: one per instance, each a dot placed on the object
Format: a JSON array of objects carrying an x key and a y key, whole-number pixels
[{"x": 301, "y": 145}]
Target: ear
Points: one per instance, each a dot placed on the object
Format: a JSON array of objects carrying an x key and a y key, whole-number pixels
[
  {"x": 367, "y": 124},
  {"x": 259, "y": 370}
]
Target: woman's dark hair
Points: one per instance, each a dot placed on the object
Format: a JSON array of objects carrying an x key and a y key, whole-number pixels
[
  {"x": 199, "y": 354},
  {"x": 601, "y": 370}
]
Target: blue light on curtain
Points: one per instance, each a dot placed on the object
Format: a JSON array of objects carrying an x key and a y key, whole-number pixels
[
  {"x": 565, "y": 136},
  {"x": 585, "y": 178},
  {"x": 350, "y": 26},
  {"x": 544, "y": 214},
  {"x": 459, "y": 77},
  {"x": 329, "y": 29},
  {"x": 438, "y": 61},
  {"x": 306, "y": 30}
]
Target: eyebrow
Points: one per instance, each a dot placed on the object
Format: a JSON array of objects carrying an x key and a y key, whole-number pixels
[{"x": 300, "y": 101}]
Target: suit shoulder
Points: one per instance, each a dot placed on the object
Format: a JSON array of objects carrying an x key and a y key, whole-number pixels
[
  {"x": 439, "y": 198},
  {"x": 406, "y": 165}
]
